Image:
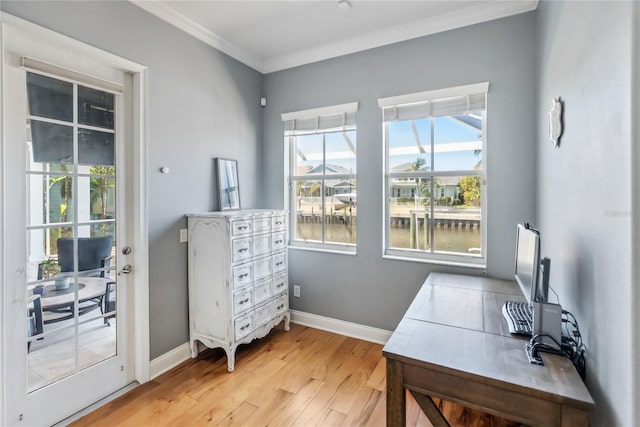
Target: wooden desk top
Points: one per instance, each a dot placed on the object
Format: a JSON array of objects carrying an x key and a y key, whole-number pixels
[{"x": 455, "y": 325}]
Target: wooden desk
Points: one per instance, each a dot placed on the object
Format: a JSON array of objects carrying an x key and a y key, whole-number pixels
[{"x": 454, "y": 344}]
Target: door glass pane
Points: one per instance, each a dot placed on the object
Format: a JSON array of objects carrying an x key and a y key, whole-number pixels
[
  {"x": 100, "y": 203},
  {"x": 43, "y": 245},
  {"x": 96, "y": 250},
  {"x": 50, "y": 198},
  {"x": 409, "y": 145},
  {"x": 458, "y": 215},
  {"x": 49, "y": 98},
  {"x": 51, "y": 357},
  {"x": 95, "y": 107},
  {"x": 458, "y": 142},
  {"x": 52, "y": 143},
  {"x": 97, "y": 335},
  {"x": 95, "y": 147}
]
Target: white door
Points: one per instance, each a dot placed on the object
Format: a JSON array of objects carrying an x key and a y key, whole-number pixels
[{"x": 66, "y": 171}]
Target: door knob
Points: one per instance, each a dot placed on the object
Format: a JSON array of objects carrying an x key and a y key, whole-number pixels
[{"x": 126, "y": 269}]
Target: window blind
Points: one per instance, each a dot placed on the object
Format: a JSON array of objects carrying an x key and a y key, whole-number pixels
[
  {"x": 337, "y": 117},
  {"x": 54, "y": 71},
  {"x": 446, "y": 102}
]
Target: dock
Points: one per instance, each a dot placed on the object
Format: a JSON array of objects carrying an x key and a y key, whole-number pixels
[{"x": 400, "y": 218}]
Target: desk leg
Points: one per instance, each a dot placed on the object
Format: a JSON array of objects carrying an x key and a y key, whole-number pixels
[
  {"x": 572, "y": 417},
  {"x": 396, "y": 397},
  {"x": 430, "y": 410}
]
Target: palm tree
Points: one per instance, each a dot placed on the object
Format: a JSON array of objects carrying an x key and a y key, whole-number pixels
[
  {"x": 65, "y": 185},
  {"x": 99, "y": 188}
]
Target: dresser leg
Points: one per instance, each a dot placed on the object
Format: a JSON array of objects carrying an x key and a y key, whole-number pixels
[
  {"x": 287, "y": 321},
  {"x": 194, "y": 349},
  {"x": 231, "y": 358}
]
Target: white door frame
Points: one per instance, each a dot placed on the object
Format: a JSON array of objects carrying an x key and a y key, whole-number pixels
[{"x": 12, "y": 26}]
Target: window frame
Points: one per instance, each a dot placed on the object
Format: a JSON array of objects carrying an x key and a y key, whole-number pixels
[
  {"x": 433, "y": 255},
  {"x": 290, "y": 134}
]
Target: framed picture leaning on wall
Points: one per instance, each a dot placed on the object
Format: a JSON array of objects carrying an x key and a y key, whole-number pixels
[{"x": 227, "y": 182}]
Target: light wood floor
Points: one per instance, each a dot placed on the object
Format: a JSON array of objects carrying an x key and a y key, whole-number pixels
[{"x": 304, "y": 377}]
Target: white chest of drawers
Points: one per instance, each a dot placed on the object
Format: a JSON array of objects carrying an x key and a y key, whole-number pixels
[{"x": 238, "y": 284}]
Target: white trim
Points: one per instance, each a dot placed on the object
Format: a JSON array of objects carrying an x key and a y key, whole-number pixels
[
  {"x": 473, "y": 15},
  {"x": 141, "y": 225},
  {"x": 433, "y": 260},
  {"x": 167, "y": 13},
  {"x": 300, "y": 245},
  {"x": 437, "y": 24},
  {"x": 169, "y": 360},
  {"x": 434, "y": 94},
  {"x": 3, "y": 182},
  {"x": 350, "y": 107},
  {"x": 341, "y": 327},
  {"x": 61, "y": 73},
  {"x": 182, "y": 353},
  {"x": 20, "y": 27}
]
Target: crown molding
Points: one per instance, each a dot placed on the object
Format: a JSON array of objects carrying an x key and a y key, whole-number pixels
[
  {"x": 167, "y": 13},
  {"x": 473, "y": 15}
]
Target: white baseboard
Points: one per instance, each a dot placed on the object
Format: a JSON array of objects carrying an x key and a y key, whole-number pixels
[
  {"x": 354, "y": 330},
  {"x": 173, "y": 358},
  {"x": 169, "y": 360}
]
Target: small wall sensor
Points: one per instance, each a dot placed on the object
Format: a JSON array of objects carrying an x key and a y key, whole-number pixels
[
  {"x": 164, "y": 170},
  {"x": 263, "y": 102}
]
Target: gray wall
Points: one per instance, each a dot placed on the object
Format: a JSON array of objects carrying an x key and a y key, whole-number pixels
[
  {"x": 202, "y": 104},
  {"x": 365, "y": 288},
  {"x": 584, "y": 188}
]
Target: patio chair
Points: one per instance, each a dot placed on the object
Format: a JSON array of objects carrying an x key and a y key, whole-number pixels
[
  {"x": 109, "y": 301},
  {"x": 93, "y": 253},
  {"x": 35, "y": 324}
]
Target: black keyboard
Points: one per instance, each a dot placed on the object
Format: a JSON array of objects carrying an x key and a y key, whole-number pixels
[{"x": 518, "y": 316}]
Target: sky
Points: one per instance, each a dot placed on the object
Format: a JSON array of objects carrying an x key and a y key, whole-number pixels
[{"x": 454, "y": 145}]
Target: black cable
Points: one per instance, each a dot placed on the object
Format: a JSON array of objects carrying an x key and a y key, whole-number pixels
[{"x": 571, "y": 346}]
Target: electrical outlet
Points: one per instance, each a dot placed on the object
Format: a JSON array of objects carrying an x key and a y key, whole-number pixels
[
  {"x": 184, "y": 236},
  {"x": 296, "y": 291}
]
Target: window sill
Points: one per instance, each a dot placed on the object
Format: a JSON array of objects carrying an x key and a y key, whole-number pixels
[
  {"x": 329, "y": 250},
  {"x": 451, "y": 263}
]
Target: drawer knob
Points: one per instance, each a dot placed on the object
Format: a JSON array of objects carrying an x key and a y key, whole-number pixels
[
  {"x": 280, "y": 307},
  {"x": 243, "y": 227},
  {"x": 244, "y": 301},
  {"x": 243, "y": 250},
  {"x": 244, "y": 327},
  {"x": 242, "y": 276}
]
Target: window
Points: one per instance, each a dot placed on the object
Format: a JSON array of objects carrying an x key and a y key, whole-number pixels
[
  {"x": 322, "y": 177},
  {"x": 434, "y": 175}
]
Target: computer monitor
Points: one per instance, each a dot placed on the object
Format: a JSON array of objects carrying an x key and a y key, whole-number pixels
[{"x": 527, "y": 262}]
